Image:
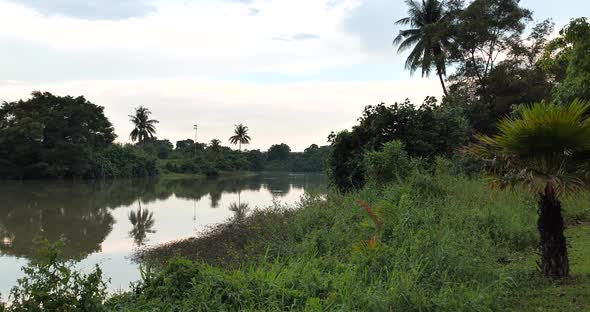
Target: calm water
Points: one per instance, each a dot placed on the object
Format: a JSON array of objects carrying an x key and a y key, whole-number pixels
[{"x": 104, "y": 222}]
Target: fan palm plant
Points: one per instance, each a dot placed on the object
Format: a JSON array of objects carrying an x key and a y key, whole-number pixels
[
  {"x": 546, "y": 147},
  {"x": 426, "y": 37},
  {"x": 240, "y": 136},
  {"x": 144, "y": 126}
]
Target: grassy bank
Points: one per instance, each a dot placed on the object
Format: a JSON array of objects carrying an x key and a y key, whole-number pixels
[
  {"x": 442, "y": 243},
  {"x": 446, "y": 244}
]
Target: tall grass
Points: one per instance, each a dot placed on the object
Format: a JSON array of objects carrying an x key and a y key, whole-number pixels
[{"x": 447, "y": 243}]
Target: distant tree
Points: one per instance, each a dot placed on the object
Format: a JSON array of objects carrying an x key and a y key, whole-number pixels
[
  {"x": 240, "y": 136},
  {"x": 184, "y": 144},
  {"x": 215, "y": 147},
  {"x": 546, "y": 148},
  {"x": 144, "y": 126},
  {"x": 312, "y": 149},
  {"x": 278, "y": 152},
  {"x": 426, "y": 38}
]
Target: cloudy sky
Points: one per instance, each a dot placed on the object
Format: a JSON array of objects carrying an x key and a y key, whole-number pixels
[{"x": 291, "y": 70}]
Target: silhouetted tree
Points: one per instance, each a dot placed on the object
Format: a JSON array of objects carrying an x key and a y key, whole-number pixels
[
  {"x": 240, "y": 136},
  {"x": 144, "y": 126}
]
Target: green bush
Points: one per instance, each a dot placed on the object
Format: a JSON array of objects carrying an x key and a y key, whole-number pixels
[
  {"x": 390, "y": 164},
  {"x": 51, "y": 284},
  {"x": 119, "y": 161}
]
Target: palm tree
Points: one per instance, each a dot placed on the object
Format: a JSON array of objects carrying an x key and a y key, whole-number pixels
[
  {"x": 240, "y": 136},
  {"x": 215, "y": 147},
  {"x": 143, "y": 222},
  {"x": 545, "y": 147},
  {"x": 144, "y": 127},
  {"x": 426, "y": 36}
]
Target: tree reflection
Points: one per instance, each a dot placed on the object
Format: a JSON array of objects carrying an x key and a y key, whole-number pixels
[
  {"x": 143, "y": 222},
  {"x": 80, "y": 213},
  {"x": 240, "y": 211}
]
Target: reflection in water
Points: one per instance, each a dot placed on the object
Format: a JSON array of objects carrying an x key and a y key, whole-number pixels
[
  {"x": 81, "y": 214},
  {"x": 142, "y": 221},
  {"x": 240, "y": 211}
]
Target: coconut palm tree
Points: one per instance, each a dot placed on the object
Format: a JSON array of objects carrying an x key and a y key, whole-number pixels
[
  {"x": 426, "y": 38},
  {"x": 144, "y": 127},
  {"x": 142, "y": 221},
  {"x": 546, "y": 147},
  {"x": 240, "y": 136}
]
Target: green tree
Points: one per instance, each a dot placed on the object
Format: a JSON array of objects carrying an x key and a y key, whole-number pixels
[
  {"x": 545, "y": 147},
  {"x": 426, "y": 131},
  {"x": 51, "y": 136},
  {"x": 278, "y": 152},
  {"x": 483, "y": 31},
  {"x": 145, "y": 128},
  {"x": 240, "y": 136},
  {"x": 426, "y": 38},
  {"x": 567, "y": 59}
]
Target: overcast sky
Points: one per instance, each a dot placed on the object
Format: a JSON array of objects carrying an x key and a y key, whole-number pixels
[{"x": 291, "y": 70}]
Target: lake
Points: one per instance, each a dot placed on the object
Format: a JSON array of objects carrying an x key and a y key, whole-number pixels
[{"x": 105, "y": 222}]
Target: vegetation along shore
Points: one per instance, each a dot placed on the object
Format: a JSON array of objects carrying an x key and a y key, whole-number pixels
[{"x": 474, "y": 201}]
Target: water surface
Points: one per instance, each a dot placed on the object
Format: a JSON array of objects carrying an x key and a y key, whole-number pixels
[{"x": 104, "y": 222}]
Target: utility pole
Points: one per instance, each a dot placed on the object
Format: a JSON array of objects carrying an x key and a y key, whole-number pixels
[{"x": 195, "y": 127}]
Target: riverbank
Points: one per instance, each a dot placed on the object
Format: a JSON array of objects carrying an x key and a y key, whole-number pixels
[
  {"x": 446, "y": 243},
  {"x": 222, "y": 174},
  {"x": 441, "y": 243}
]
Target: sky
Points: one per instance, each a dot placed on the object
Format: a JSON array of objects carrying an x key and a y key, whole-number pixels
[{"x": 290, "y": 70}]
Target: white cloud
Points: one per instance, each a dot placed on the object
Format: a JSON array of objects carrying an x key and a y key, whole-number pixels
[
  {"x": 93, "y": 10},
  {"x": 298, "y": 114},
  {"x": 181, "y": 39}
]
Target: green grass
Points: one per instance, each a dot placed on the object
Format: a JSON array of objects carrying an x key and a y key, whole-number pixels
[
  {"x": 448, "y": 244},
  {"x": 572, "y": 294}
]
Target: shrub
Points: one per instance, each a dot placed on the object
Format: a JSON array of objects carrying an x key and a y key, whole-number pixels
[
  {"x": 390, "y": 164},
  {"x": 52, "y": 284}
]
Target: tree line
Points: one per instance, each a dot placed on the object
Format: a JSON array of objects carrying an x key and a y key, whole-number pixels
[{"x": 49, "y": 136}]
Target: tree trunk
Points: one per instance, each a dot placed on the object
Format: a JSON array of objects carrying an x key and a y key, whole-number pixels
[
  {"x": 553, "y": 248},
  {"x": 442, "y": 82}
]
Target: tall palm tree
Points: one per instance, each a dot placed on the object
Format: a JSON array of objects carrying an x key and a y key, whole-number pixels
[
  {"x": 142, "y": 221},
  {"x": 144, "y": 126},
  {"x": 545, "y": 147},
  {"x": 426, "y": 37},
  {"x": 240, "y": 136}
]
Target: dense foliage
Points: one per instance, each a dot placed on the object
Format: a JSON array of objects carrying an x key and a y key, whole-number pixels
[
  {"x": 211, "y": 159},
  {"x": 427, "y": 131},
  {"x": 51, "y": 136}
]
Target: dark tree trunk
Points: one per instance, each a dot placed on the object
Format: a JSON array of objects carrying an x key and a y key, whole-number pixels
[
  {"x": 442, "y": 82},
  {"x": 553, "y": 248}
]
